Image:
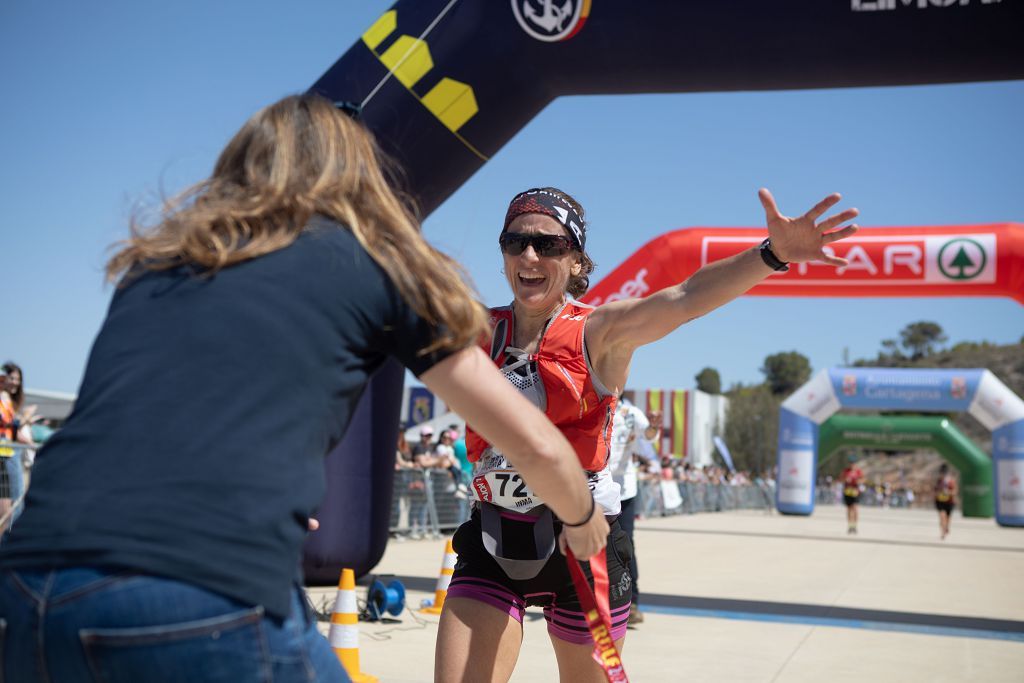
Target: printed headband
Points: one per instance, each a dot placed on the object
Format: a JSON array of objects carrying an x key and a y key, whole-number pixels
[{"x": 549, "y": 204}]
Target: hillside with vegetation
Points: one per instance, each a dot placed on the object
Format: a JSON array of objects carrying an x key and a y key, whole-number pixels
[{"x": 751, "y": 428}]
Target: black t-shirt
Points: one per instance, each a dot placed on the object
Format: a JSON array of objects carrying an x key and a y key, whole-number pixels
[
  {"x": 195, "y": 448},
  {"x": 422, "y": 449}
]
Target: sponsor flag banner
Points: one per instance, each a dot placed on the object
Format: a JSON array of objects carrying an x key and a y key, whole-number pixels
[
  {"x": 724, "y": 450},
  {"x": 674, "y": 406},
  {"x": 421, "y": 405},
  {"x": 653, "y": 404},
  {"x": 680, "y": 403}
]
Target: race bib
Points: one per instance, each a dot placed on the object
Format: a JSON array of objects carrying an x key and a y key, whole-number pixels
[
  {"x": 504, "y": 488},
  {"x": 851, "y": 491},
  {"x": 943, "y": 497}
]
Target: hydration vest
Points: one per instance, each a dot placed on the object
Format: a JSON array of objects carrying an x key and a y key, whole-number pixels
[
  {"x": 850, "y": 477},
  {"x": 573, "y": 404}
]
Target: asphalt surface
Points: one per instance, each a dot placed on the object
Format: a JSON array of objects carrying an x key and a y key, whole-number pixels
[{"x": 746, "y": 596}]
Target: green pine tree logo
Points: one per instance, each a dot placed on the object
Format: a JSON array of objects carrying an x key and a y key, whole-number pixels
[
  {"x": 961, "y": 261},
  {"x": 969, "y": 259}
]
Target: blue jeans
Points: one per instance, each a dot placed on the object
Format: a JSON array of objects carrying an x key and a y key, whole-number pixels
[
  {"x": 16, "y": 478},
  {"x": 90, "y": 624}
]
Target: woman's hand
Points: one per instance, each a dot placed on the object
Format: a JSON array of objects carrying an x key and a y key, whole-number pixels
[
  {"x": 800, "y": 239},
  {"x": 587, "y": 540}
]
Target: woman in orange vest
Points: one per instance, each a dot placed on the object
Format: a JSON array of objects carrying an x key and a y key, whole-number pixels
[
  {"x": 12, "y": 480},
  {"x": 572, "y": 360},
  {"x": 945, "y": 498}
]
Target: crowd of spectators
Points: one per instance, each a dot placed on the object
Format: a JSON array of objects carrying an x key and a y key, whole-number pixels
[
  {"x": 677, "y": 469},
  {"x": 430, "y": 465},
  {"x": 433, "y": 476},
  {"x": 668, "y": 485},
  {"x": 876, "y": 493},
  {"x": 677, "y": 486},
  {"x": 22, "y": 430}
]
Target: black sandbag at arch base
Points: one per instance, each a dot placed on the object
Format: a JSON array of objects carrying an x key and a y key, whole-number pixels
[{"x": 484, "y": 68}]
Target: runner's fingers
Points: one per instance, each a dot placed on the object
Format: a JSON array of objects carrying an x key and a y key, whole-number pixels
[
  {"x": 824, "y": 205},
  {"x": 833, "y": 260},
  {"x": 837, "y": 220},
  {"x": 768, "y": 202},
  {"x": 830, "y": 237}
]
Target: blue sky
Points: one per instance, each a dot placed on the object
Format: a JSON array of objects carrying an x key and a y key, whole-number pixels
[{"x": 109, "y": 104}]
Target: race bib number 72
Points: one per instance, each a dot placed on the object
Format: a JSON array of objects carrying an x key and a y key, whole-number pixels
[{"x": 504, "y": 488}]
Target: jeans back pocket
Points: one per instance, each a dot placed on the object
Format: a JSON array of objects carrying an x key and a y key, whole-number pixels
[{"x": 231, "y": 647}]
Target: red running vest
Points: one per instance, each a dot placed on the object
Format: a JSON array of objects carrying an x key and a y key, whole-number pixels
[{"x": 573, "y": 404}]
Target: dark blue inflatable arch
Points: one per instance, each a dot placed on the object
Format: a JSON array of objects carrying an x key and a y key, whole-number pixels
[{"x": 445, "y": 84}]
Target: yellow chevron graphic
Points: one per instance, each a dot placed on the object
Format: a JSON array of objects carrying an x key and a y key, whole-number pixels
[
  {"x": 409, "y": 59},
  {"x": 451, "y": 101},
  {"x": 381, "y": 29}
]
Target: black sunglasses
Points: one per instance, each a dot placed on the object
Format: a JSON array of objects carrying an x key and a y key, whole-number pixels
[{"x": 515, "y": 243}]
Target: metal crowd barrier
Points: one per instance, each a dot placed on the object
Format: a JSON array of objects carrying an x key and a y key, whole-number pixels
[
  {"x": 657, "y": 500},
  {"x": 428, "y": 503},
  {"x": 869, "y": 497}
]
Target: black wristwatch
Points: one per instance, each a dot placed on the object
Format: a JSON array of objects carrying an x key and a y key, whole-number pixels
[{"x": 769, "y": 257}]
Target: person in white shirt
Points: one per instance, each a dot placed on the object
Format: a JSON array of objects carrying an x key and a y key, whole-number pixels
[{"x": 632, "y": 434}]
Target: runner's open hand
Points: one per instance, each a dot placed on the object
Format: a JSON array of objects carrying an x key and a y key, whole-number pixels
[{"x": 804, "y": 239}]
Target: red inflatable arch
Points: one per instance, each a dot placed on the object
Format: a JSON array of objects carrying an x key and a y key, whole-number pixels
[{"x": 946, "y": 260}]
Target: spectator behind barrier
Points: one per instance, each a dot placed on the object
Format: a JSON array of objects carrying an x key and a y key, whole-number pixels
[{"x": 15, "y": 426}]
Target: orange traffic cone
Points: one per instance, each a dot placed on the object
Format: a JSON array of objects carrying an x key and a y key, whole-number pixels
[
  {"x": 344, "y": 633},
  {"x": 447, "y": 569}
]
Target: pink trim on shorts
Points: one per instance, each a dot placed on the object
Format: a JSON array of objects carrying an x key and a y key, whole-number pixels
[
  {"x": 571, "y": 626},
  {"x": 493, "y": 594},
  {"x": 537, "y": 595}
]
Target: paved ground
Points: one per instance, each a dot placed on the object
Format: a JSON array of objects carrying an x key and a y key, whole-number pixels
[{"x": 746, "y": 596}]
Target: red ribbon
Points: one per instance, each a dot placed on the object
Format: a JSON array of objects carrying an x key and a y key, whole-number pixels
[{"x": 597, "y": 613}]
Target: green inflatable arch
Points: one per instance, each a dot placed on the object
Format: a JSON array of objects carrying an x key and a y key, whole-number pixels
[{"x": 913, "y": 432}]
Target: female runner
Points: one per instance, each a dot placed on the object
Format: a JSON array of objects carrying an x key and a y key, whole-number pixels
[{"x": 572, "y": 360}]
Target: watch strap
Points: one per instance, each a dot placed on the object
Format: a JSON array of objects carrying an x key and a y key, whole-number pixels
[{"x": 769, "y": 257}]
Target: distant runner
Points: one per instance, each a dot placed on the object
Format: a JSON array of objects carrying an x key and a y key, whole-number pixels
[
  {"x": 945, "y": 498},
  {"x": 853, "y": 479}
]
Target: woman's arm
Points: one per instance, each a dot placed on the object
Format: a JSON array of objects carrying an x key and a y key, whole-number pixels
[
  {"x": 424, "y": 460},
  {"x": 470, "y": 384},
  {"x": 616, "y": 329}
]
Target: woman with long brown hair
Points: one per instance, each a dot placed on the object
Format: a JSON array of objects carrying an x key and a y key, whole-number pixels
[
  {"x": 162, "y": 531},
  {"x": 12, "y": 479}
]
